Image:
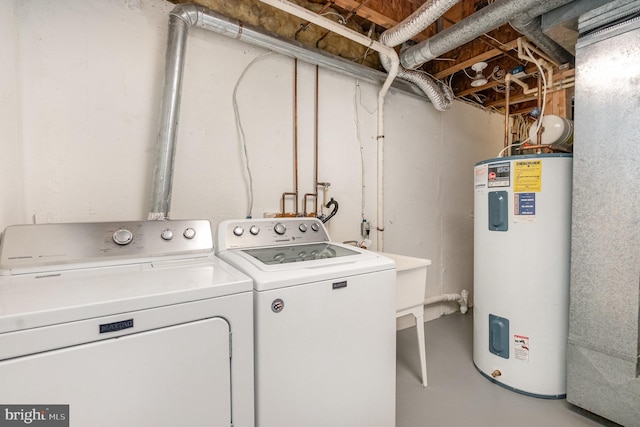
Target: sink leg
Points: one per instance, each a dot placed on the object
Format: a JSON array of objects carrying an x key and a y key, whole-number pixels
[{"x": 421, "y": 346}]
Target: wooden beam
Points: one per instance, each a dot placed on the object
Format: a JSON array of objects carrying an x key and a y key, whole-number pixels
[
  {"x": 368, "y": 13},
  {"x": 387, "y": 14},
  {"x": 468, "y": 63},
  {"x": 471, "y": 90}
]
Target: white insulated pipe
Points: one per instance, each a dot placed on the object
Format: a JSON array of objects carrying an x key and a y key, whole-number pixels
[
  {"x": 330, "y": 25},
  {"x": 462, "y": 298}
]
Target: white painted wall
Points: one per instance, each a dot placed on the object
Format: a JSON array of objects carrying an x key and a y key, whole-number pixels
[
  {"x": 11, "y": 158},
  {"x": 83, "y": 82}
]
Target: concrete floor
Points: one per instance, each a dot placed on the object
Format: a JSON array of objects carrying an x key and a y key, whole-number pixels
[{"x": 458, "y": 395}]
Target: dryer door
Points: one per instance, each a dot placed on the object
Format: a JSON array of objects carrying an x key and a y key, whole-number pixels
[{"x": 167, "y": 377}]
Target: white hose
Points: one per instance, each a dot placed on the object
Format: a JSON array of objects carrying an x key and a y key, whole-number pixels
[{"x": 440, "y": 95}]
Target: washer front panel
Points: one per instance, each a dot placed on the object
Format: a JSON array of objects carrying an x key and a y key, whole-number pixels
[{"x": 137, "y": 380}]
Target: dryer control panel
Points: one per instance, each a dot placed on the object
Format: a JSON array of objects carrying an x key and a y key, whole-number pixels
[
  {"x": 43, "y": 246},
  {"x": 254, "y": 233}
]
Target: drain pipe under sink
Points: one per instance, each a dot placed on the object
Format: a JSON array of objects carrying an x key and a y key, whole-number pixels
[{"x": 462, "y": 298}]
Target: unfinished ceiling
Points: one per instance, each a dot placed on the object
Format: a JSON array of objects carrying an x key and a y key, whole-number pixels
[{"x": 497, "y": 48}]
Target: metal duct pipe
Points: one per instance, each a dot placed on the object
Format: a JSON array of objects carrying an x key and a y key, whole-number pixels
[
  {"x": 497, "y": 13},
  {"x": 531, "y": 29},
  {"x": 184, "y": 16},
  {"x": 440, "y": 95},
  {"x": 169, "y": 113}
]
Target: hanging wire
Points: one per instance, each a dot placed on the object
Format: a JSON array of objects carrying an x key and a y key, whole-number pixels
[
  {"x": 240, "y": 130},
  {"x": 340, "y": 17}
]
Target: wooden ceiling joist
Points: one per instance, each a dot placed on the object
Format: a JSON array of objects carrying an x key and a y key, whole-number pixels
[
  {"x": 386, "y": 13},
  {"x": 485, "y": 56}
]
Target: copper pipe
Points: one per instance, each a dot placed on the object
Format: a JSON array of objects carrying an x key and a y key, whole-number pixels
[
  {"x": 533, "y": 147},
  {"x": 304, "y": 204},
  {"x": 295, "y": 142},
  {"x": 315, "y": 183},
  {"x": 295, "y": 198},
  {"x": 295, "y": 132}
]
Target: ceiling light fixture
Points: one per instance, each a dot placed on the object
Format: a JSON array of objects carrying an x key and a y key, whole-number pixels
[{"x": 479, "y": 79}]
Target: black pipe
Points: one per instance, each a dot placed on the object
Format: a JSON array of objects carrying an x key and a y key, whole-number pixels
[{"x": 333, "y": 203}]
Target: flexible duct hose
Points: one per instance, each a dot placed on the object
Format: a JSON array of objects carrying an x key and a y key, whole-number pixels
[
  {"x": 440, "y": 95},
  {"x": 424, "y": 16}
]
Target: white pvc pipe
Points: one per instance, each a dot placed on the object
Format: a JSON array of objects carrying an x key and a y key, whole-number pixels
[
  {"x": 462, "y": 298},
  {"x": 328, "y": 24}
]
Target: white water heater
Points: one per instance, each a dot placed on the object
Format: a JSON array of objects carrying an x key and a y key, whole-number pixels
[{"x": 522, "y": 227}]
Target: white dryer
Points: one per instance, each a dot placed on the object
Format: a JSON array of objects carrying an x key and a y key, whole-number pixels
[
  {"x": 123, "y": 324},
  {"x": 324, "y": 324}
]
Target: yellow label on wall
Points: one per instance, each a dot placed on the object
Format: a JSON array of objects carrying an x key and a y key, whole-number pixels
[{"x": 527, "y": 176}]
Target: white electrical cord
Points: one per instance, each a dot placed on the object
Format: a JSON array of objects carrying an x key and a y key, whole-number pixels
[
  {"x": 511, "y": 145},
  {"x": 340, "y": 17},
  {"x": 240, "y": 130}
]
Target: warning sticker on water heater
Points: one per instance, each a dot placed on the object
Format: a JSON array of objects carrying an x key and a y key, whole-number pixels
[
  {"x": 480, "y": 182},
  {"x": 499, "y": 175},
  {"x": 527, "y": 176},
  {"x": 524, "y": 207},
  {"x": 521, "y": 347}
]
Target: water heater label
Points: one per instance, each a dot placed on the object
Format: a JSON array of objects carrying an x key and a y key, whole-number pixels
[
  {"x": 527, "y": 176},
  {"x": 524, "y": 207},
  {"x": 499, "y": 175},
  {"x": 480, "y": 182},
  {"x": 521, "y": 347}
]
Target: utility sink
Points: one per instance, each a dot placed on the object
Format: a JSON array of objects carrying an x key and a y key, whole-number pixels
[{"x": 411, "y": 282}]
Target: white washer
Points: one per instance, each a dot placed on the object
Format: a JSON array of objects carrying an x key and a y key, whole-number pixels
[
  {"x": 324, "y": 324},
  {"x": 129, "y": 323}
]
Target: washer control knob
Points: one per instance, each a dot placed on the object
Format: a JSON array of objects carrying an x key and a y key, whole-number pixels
[
  {"x": 254, "y": 230},
  {"x": 167, "y": 234},
  {"x": 189, "y": 233},
  {"x": 303, "y": 227},
  {"x": 122, "y": 237},
  {"x": 279, "y": 228},
  {"x": 238, "y": 231},
  {"x": 315, "y": 226}
]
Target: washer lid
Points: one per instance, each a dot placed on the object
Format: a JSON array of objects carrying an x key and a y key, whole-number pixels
[
  {"x": 35, "y": 300},
  {"x": 299, "y": 253},
  {"x": 281, "y": 275}
]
